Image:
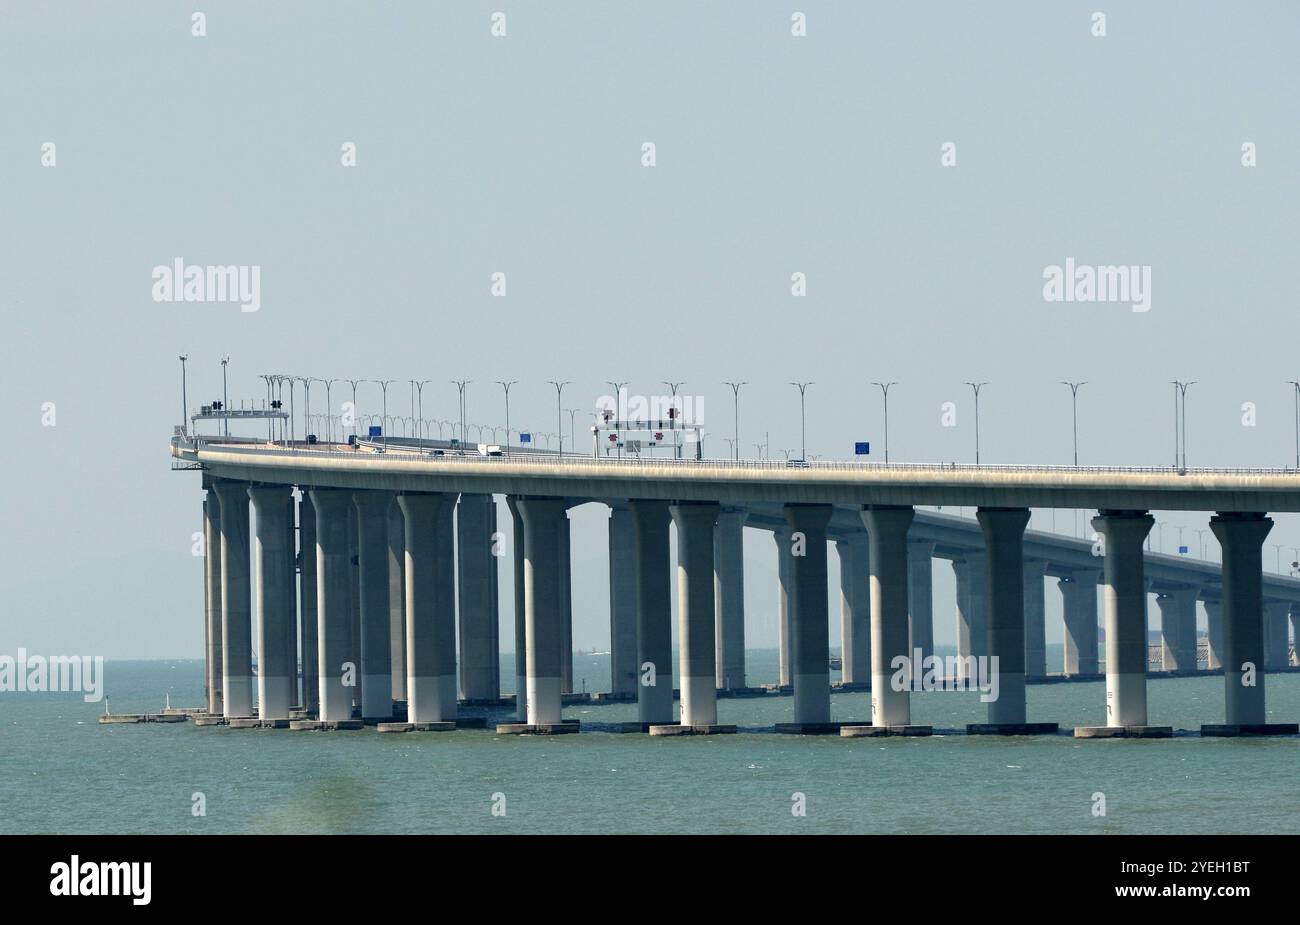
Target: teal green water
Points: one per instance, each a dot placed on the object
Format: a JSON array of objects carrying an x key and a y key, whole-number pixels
[{"x": 60, "y": 771}]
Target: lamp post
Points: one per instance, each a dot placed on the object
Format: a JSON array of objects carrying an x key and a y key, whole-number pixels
[
  {"x": 329, "y": 409},
  {"x": 185, "y": 405},
  {"x": 460, "y": 386},
  {"x": 884, "y": 389},
  {"x": 225, "y": 400},
  {"x": 1295, "y": 388},
  {"x": 975, "y": 387},
  {"x": 735, "y": 406},
  {"x": 559, "y": 420},
  {"x": 418, "y": 385},
  {"x": 573, "y": 439},
  {"x": 803, "y": 439},
  {"x": 1180, "y": 394},
  {"x": 506, "y": 387},
  {"x": 672, "y": 417},
  {"x": 1074, "y": 402},
  {"x": 618, "y": 410}
]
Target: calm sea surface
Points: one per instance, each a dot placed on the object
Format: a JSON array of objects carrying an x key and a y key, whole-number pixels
[{"x": 60, "y": 771}]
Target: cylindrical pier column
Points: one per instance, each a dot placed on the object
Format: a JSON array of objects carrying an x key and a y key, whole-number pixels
[
  {"x": 855, "y": 608},
  {"x": 809, "y": 612},
  {"x": 1178, "y": 628},
  {"x": 622, "y": 600},
  {"x": 430, "y": 607},
  {"x": 354, "y": 584},
  {"x": 212, "y": 598},
  {"x": 309, "y": 648},
  {"x": 376, "y": 615},
  {"x": 273, "y": 569},
  {"x": 1295, "y": 632},
  {"x": 1035, "y": 619},
  {"x": 653, "y": 612},
  {"x": 544, "y": 630},
  {"x": 397, "y": 598},
  {"x": 521, "y": 616},
  {"x": 1125, "y": 595},
  {"x": 335, "y": 667},
  {"x": 781, "y": 537},
  {"x": 565, "y": 573},
  {"x": 696, "y": 622},
  {"x": 1213, "y": 630},
  {"x": 291, "y": 637},
  {"x": 729, "y": 598},
  {"x": 1079, "y": 606},
  {"x": 236, "y": 604},
  {"x": 920, "y": 596},
  {"x": 480, "y": 659},
  {"x": 972, "y": 623},
  {"x": 1004, "y": 533},
  {"x": 890, "y": 632},
  {"x": 1241, "y": 538},
  {"x": 1276, "y": 651}
]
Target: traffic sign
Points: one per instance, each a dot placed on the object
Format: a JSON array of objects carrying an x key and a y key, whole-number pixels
[
  {"x": 525, "y": 438},
  {"x": 862, "y": 448}
]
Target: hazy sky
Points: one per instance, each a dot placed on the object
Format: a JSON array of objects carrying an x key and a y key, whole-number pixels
[{"x": 522, "y": 155}]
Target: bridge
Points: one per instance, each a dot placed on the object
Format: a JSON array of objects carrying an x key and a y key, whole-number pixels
[{"x": 388, "y": 507}]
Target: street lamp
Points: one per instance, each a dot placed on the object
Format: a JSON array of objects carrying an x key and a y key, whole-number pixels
[
  {"x": 735, "y": 398},
  {"x": 976, "y": 386},
  {"x": 803, "y": 442},
  {"x": 185, "y": 405},
  {"x": 355, "y": 416},
  {"x": 225, "y": 400},
  {"x": 418, "y": 385},
  {"x": 1180, "y": 392},
  {"x": 559, "y": 420},
  {"x": 383, "y": 419},
  {"x": 329, "y": 409},
  {"x": 1295, "y": 387},
  {"x": 506, "y": 386},
  {"x": 884, "y": 389},
  {"x": 573, "y": 440},
  {"x": 672, "y": 417},
  {"x": 460, "y": 385},
  {"x": 1074, "y": 400}
]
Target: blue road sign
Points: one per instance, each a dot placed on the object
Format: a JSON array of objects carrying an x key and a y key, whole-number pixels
[
  {"x": 1182, "y": 550},
  {"x": 862, "y": 448},
  {"x": 525, "y": 438},
  {"x": 376, "y": 430}
]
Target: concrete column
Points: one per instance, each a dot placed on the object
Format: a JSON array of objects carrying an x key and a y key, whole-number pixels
[
  {"x": 309, "y": 648},
  {"x": 291, "y": 637},
  {"x": 273, "y": 568},
  {"x": 622, "y": 600},
  {"x": 729, "y": 599},
  {"x": 1035, "y": 620},
  {"x": 809, "y": 612},
  {"x": 236, "y": 605},
  {"x": 565, "y": 573},
  {"x": 376, "y": 614},
  {"x": 354, "y": 584},
  {"x": 855, "y": 608},
  {"x": 696, "y": 620},
  {"x": 1241, "y": 538},
  {"x": 212, "y": 599},
  {"x": 1004, "y": 534},
  {"x": 1079, "y": 604},
  {"x": 1276, "y": 651},
  {"x": 397, "y": 598},
  {"x": 782, "y": 538},
  {"x": 542, "y": 533},
  {"x": 1214, "y": 631},
  {"x": 430, "y": 607},
  {"x": 653, "y": 612},
  {"x": 1125, "y": 596},
  {"x": 890, "y": 631},
  {"x": 1178, "y": 628},
  {"x": 920, "y": 595},
  {"x": 1295, "y": 632},
  {"x": 972, "y": 624},
  {"x": 480, "y": 658},
  {"x": 521, "y": 621},
  {"x": 333, "y": 603}
]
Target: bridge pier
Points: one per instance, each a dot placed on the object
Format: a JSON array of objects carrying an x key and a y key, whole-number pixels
[
  {"x": 1241, "y": 538},
  {"x": 653, "y": 613},
  {"x": 1295, "y": 631},
  {"x": 397, "y": 599},
  {"x": 622, "y": 600},
  {"x": 308, "y": 646},
  {"x": 855, "y": 609},
  {"x": 972, "y": 608},
  {"x": 729, "y": 599},
  {"x": 333, "y": 508},
  {"x": 521, "y": 610},
  {"x": 1213, "y": 629},
  {"x": 376, "y": 615},
  {"x": 1178, "y": 628},
  {"x": 291, "y": 633},
  {"x": 212, "y": 597},
  {"x": 1276, "y": 654},
  {"x": 781, "y": 536},
  {"x": 480, "y": 658},
  {"x": 891, "y": 710},
  {"x": 566, "y": 602},
  {"x": 1035, "y": 619},
  {"x": 920, "y": 596},
  {"x": 1126, "y": 627},
  {"x": 1079, "y": 606},
  {"x": 236, "y": 606},
  {"x": 273, "y": 561},
  {"x": 430, "y": 608},
  {"x": 354, "y": 586},
  {"x": 809, "y": 631},
  {"x": 696, "y": 618}
]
